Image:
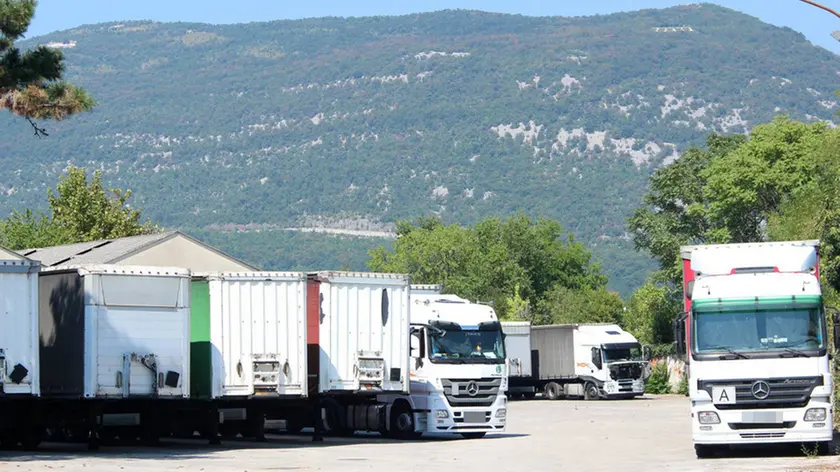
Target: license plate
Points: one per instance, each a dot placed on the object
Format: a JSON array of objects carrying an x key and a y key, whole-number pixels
[
  {"x": 723, "y": 395},
  {"x": 474, "y": 417},
  {"x": 761, "y": 417}
]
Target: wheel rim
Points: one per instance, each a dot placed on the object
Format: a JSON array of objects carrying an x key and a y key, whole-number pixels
[{"x": 593, "y": 392}]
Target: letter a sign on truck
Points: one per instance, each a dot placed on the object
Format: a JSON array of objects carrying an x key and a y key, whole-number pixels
[{"x": 723, "y": 394}]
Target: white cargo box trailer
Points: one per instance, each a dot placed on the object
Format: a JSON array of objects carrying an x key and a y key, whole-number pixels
[
  {"x": 358, "y": 332},
  {"x": 19, "y": 359},
  {"x": 112, "y": 331},
  {"x": 248, "y": 334},
  {"x": 519, "y": 355}
]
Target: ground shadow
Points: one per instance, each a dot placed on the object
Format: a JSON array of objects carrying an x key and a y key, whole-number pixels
[
  {"x": 793, "y": 450},
  {"x": 183, "y": 449}
]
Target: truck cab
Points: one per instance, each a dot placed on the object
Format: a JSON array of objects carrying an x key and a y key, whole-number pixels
[
  {"x": 756, "y": 344},
  {"x": 619, "y": 365},
  {"x": 458, "y": 370}
]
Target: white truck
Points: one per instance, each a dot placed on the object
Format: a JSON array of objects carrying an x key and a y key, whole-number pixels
[
  {"x": 754, "y": 330},
  {"x": 458, "y": 369},
  {"x": 594, "y": 361}
]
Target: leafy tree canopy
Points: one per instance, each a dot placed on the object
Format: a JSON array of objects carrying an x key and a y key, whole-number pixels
[
  {"x": 31, "y": 83},
  {"x": 515, "y": 262},
  {"x": 731, "y": 190},
  {"x": 80, "y": 211}
]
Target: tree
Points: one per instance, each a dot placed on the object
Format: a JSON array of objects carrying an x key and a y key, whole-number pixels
[
  {"x": 513, "y": 262},
  {"x": 675, "y": 209},
  {"x": 727, "y": 192},
  {"x": 31, "y": 83},
  {"x": 812, "y": 210},
  {"x": 750, "y": 182},
  {"x": 565, "y": 305},
  {"x": 650, "y": 311},
  {"x": 80, "y": 212}
]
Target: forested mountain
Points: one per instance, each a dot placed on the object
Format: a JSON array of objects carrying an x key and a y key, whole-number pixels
[{"x": 357, "y": 122}]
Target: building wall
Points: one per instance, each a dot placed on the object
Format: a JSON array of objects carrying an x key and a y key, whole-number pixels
[{"x": 181, "y": 252}]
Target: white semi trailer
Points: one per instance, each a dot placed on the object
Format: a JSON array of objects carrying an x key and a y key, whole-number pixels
[
  {"x": 754, "y": 331},
  {"x": 458, "y": 369},
  {"x": 589, "y": 360}
]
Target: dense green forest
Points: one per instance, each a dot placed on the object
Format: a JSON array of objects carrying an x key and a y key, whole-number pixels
[{"x": 458, "y": 114}]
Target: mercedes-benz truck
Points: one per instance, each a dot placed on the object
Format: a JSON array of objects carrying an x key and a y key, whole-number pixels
[{"x": 756, "y": 343}]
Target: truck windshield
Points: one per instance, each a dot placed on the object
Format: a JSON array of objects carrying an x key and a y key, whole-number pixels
[
  {"x": 623, "y": 353},
  {"x": 466, "y": 345},
  {"x": 758, "y": 330}
]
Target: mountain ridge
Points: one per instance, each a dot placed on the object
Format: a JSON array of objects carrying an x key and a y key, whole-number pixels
[{"x": 459, "y": 113}]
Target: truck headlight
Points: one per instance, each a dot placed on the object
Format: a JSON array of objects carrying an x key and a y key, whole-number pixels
[
  {"x": 815, "y": 414},
  {"x": 501, "y": 413},
  {"x": 708, "y": 417},
  {"x": 441, "y": 414}
]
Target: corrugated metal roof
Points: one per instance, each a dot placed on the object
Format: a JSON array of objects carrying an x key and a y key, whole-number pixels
[{"x": 95, "y": 252}]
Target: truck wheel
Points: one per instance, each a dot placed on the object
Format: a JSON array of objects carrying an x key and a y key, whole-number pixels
[
  {"x": 9, "y": 438},
  {"x": 402, "y": 421},
  {"x": 473, "y": 435},
  {"x": 333, "y": 419},
  {"x": 32, "y": 437},
  {"x": 590, "y": 391},
  {"x": 552, "y": 391}
]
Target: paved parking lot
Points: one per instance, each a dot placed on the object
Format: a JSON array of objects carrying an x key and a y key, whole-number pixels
[{"x": 640, "y": 434}]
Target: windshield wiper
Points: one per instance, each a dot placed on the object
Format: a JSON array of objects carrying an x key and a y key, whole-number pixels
[
  {"x": 731, "y": 351},
  {"x": 795, "y": 352}
]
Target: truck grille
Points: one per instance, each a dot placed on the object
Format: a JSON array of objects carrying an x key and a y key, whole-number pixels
[
  {"x": 625, "y": 386},
  {"x": 626, "y": 371},
  {"x": 794, "y": 392},
  {"x": 486, "y": 391}
]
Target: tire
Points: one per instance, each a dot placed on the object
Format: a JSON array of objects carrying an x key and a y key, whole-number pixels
[
  {"x": 333, "y": 418},
  {"x": 530, "y": 395},
  {"x": 590, "y": 391},
  {"x": 9, "y": 438},
  {"x": 704, "y": 451},
  {"x": 402, "y": 422},
  {"x": 552, "y": 391},
  {"x": 473, "y": 435}
]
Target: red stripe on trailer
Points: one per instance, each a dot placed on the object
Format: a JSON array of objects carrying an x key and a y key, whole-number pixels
[
  {"x": 688, "y": 276},
  {"x": 313, "y": 328}
]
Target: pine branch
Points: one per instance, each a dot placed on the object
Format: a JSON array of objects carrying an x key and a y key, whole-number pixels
[{"x": 38, "y": 131}]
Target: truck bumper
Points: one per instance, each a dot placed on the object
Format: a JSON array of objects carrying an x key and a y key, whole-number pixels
[
  {"x": 444, "y": 419},
  {"x": 736, "y": 426},
  {"x": 623, "y": 388}
]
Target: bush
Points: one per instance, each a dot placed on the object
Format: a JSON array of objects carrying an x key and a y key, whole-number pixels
[
  {"x": 658, "y": 382},
  {"x": 683, "y": 389}
]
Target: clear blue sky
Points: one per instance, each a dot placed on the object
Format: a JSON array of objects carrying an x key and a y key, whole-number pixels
[{"x": 53, "y": 15}]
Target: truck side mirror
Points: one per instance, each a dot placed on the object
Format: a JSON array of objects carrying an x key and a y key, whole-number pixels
[
  {"x": 646, "y": 353},
  {"x": 679, "y": 333},
  {"x": 596, "y": 358},
  {"x": 416, "y": 346}
]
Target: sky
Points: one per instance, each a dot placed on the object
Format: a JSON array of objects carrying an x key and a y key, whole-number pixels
[{"x": 55, "y": 15}]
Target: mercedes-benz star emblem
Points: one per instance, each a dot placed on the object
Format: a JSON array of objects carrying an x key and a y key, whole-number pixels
[
  {"x": 472, "y": 389},
  {"x": 760, "y": 390}
]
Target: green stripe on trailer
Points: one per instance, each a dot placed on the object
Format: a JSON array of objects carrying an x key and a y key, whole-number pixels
[
  {"x": 201, "y": 367},
  {"x": 753, "y": 303}
]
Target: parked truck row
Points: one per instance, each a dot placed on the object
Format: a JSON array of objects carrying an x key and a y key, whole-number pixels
[{"x": 97, "y": 353}]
